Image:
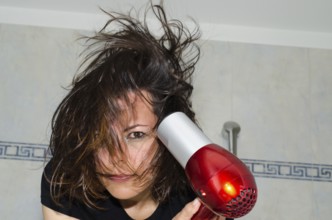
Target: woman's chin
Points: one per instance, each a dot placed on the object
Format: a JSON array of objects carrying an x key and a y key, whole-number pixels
[{"x": 124, "y": 191}]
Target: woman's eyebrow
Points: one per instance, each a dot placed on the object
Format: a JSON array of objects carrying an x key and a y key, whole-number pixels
[{"x": 134, "y": 126}]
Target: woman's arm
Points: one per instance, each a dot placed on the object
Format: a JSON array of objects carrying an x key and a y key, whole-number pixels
[{"x": 50, "y": 214}]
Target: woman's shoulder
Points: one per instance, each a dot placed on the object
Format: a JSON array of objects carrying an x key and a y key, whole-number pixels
[
  {"x": 108, "y": 207},
  {"x": 45, "y": 195}
]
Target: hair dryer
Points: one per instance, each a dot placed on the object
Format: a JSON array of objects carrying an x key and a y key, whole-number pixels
[{"x": 223, "y": 182}]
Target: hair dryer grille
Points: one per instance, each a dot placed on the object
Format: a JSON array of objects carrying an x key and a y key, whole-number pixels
[{"x": 241, "y": 204}]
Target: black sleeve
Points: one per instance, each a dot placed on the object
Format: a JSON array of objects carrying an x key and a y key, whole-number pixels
[
  {"x": 66, "y": 207},
  {"x": 111, "y": 209}
]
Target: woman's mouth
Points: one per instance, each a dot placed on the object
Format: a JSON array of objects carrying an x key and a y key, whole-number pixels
[{"x": 119, "y": 178}]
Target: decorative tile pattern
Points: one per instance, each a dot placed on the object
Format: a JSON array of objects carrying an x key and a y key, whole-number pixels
[
  {"x": 290, "y": 170},
  {"x": 260, "y": 168},
  {"x": 24, "y": 151}
]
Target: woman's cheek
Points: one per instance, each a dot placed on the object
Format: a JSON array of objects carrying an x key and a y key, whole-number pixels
[{"x": 142, "y": 157}]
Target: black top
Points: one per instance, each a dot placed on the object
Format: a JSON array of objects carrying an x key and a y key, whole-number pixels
[{"x": 113, "y": 209}]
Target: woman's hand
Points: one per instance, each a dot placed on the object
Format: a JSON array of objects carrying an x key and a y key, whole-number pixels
[{"x": 188, "y": 211}]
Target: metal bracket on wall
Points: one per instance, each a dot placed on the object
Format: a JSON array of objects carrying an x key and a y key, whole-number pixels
[{"x": 230, "y": 131}]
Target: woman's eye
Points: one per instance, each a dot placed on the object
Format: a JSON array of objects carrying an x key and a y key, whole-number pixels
[{"x": 135, "y": 135}]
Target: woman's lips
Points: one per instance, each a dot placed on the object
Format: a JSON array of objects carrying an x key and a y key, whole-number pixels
[{"x": 119, "y": 178}]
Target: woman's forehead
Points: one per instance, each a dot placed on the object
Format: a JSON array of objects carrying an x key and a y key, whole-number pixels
[
  {"x": 136, "y": 108},
  {"x": 134, "y": 99}
]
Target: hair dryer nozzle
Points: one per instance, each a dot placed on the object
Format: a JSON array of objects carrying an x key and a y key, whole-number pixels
[{"x": 222, "y": 181}]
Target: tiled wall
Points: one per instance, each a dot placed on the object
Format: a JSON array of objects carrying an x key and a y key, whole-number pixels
[
  {"x": 280, "y": 96},
  {"x": 35, "y": 63},
  {"x": 282, "y": 99}
]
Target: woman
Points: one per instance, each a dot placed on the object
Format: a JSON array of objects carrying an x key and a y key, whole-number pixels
[{"x": 107, "y": 161}]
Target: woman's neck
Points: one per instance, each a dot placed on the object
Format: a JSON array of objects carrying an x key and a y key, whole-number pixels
[{"x": 141, "y": 207}]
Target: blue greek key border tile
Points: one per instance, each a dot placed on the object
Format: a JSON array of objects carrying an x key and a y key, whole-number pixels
[
  {"x": 24, "y": 151},
  {"x": 259, "y": 168},
  {"x": 290, "y": 170}
]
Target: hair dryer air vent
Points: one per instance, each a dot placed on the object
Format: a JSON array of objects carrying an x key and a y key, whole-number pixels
[{"x": 242, "y": 204}]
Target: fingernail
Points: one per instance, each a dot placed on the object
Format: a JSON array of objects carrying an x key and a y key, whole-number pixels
[{"x": 196, "y": 202}]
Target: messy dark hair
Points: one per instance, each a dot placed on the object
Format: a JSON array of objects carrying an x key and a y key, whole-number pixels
[{"x": 122, "y": 59}]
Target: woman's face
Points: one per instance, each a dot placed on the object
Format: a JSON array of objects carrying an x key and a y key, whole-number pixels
[{"x": 139, "y": 144}]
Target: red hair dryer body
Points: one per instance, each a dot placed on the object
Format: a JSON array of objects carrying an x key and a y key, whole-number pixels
[{"x": 223, "y": 182}]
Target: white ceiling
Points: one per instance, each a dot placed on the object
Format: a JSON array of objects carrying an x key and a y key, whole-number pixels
[{"x": 298, "y": 22}]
